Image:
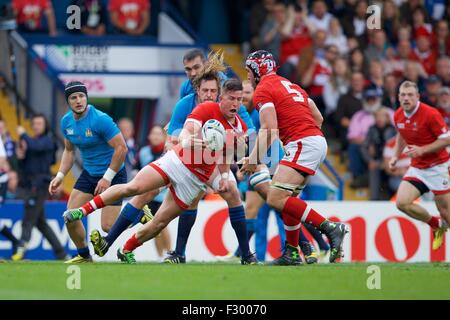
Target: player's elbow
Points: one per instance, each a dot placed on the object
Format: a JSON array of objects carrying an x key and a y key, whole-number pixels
[
  {"x": 122, "y": 150},
  {"x": 319, "y": 120}
]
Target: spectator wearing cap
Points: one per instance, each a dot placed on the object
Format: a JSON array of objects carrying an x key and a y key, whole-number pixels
[
  {"x": 358, "y": 128},
  {"x": 432, "y": 86},
  {"x": 373, "y": 146},
  {"x": 443, "y": 103}
]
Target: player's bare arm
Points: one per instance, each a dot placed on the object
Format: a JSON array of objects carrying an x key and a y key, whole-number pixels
[
  {"x": 224, "y": 170},
  {"x": 67, "y": 160},
  {"x": 418, "y": 151},
  {"x": 189, "y": 136},
  {"x": 400, "y": 145},
  {"x": 315, "y": 112},
  {"x": 120, "y": 151},
  {"x": 266, "y": 135}
]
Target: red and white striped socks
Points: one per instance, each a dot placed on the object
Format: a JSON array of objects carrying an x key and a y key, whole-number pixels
[{"x": 91, "y": 206}]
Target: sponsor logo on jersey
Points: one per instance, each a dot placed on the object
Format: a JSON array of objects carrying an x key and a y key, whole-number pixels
[
  {"x": 69, "y": 131},
  {"x": 401, "y": 125}
]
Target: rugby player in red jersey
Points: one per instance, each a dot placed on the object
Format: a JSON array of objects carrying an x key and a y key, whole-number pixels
[
  {"x": 287, "y": 113},
  {"x": 425, "y": 135}
]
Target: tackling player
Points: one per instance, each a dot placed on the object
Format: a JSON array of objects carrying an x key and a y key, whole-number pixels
[
  {"x": 285, "y": 109},
  {"x": 187, "y": 178},
  {"x": 424, "y": 134}
]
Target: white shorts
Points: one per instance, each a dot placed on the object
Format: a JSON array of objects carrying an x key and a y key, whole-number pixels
[
  {"x": 306, "y": 154},
  {"x": 436, "y": 178},
  {"x": 184, "y": 185}
]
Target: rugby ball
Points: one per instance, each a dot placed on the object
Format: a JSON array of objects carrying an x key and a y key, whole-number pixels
[{"x": 213, "y": 134}]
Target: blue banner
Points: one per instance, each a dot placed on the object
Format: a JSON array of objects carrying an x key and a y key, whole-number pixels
[{"x": 11, "y": 214}]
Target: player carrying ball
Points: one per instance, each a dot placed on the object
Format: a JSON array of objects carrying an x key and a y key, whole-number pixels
[{"x": 188, "y": 168}]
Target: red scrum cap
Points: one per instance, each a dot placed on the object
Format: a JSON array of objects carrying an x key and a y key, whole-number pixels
[{"x": 261, "y": 62}]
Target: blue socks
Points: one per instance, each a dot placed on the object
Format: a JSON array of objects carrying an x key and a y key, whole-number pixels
[
  {"x": 84, "y": 252},
  {"x": 302, "y": 237},
  {"x": 127, "y": 216},
  {"x": 237, "y": 218},
  {"x": 317, "y": 235},
  {"x": 185, "y": 223},
  {"x": 251, "y": 228}
]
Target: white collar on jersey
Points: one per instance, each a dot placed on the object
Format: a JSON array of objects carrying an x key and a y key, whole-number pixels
[
  {"x": 237, "y": 128},
  {"x": 413, "y": 112}
]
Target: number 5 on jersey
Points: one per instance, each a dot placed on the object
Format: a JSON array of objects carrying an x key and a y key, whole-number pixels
[{"x": 288, "y": 85}]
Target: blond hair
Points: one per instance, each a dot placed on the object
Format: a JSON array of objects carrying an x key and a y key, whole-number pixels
[
  {"x": 213, "y": 65},
  {"x": 408, "y": 84}
]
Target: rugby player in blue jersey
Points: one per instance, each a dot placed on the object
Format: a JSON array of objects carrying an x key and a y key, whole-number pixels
[{"x": 103, "y": 150}]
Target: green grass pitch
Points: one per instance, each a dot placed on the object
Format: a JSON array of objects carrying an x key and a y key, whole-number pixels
[{"x": 197, "y": 281}]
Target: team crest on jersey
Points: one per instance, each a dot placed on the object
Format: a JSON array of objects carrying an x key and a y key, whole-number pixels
[
  {"x": 88, "y": 132},
  {"x": 69, "y": 131}
]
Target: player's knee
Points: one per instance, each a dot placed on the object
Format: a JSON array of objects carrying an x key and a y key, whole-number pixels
[
  {"x": 274, "y": 201},
  {"x": 160, "y": 224},
  {"x": 132, "y": 189},
  {"x": 251, "y": 211},
  {"x": 402, "y": 205}
]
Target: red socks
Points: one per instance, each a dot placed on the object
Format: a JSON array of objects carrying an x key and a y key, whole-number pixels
[
  {"x": 434, "y": 223},
  {"x": 91, "y": 206},
  {"x": 295, "y": 212},
  {"x": 131, "y": 244}
]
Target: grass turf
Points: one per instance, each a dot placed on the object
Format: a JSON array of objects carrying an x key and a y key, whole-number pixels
[{"x": 47, "y": 280}]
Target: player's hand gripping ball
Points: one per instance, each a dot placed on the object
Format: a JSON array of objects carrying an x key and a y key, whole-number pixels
[{"x": 214, "y": 134}]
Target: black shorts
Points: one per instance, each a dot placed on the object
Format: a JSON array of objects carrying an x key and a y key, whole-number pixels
[{"x": 87, "y": 183}]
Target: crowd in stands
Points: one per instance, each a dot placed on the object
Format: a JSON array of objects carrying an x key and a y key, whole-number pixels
[
  {"x": 353, "y": 72},
  {"x": 128, "y": 17}
]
